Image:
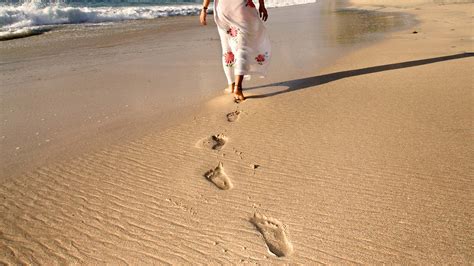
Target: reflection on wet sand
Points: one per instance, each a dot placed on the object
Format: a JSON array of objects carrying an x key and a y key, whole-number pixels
[{"x": 351, "y": 26}]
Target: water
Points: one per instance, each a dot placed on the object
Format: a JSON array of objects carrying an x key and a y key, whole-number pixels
[{"x": 31, "y": 17}]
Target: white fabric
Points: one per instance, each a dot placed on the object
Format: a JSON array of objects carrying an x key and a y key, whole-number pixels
[{"x": 245, "y": 44}]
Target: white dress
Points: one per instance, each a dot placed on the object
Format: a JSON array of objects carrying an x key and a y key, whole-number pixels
[{"x": 245, "y": 44}]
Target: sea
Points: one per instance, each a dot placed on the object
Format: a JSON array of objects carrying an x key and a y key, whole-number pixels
[{"x": 20, "y": 18}]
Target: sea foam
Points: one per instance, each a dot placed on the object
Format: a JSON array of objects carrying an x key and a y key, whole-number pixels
[{"x": 36, "y": 16}]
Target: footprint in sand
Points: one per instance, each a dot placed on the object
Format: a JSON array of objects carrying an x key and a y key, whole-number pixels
[
  {"x": 274, "y": 234},
  {"x": 215, "y": 142},
  {"x": 219, "y": 178},
  {"x": 233, "y": 116}
]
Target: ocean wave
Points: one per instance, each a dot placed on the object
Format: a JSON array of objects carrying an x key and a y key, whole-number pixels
[
  {"x": 17, "y": 18},
  {"x": 281, "y": 3},
  {"x": 34, "y": 15}
]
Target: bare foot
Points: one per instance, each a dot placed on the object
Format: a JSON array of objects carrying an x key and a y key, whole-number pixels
[
  {"x": 230, "y": 88},
  {"x": 238, "y": 95}
]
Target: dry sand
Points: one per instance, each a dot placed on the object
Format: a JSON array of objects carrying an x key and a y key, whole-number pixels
[{"x": 367, "y": 161}]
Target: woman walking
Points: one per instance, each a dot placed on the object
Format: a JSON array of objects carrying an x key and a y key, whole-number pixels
[{"x": 246, "y": 48}]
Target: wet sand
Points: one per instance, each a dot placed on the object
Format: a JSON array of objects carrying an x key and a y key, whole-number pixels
[{"x": 366, "y": 160}]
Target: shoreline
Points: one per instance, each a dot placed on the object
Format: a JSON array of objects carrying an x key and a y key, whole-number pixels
[
  {"x": 362, "y": 161},
  {"x": 24, "y": 19}
]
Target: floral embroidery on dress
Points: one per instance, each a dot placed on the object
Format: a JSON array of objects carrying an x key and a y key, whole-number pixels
[
  {"x": 233, "y": 31},
  {"x": 260, "y": 58},
  {"x": 229, "y": 59},
  {"x": 250, "y": 3},
  {"x": 235, "y": 35}
]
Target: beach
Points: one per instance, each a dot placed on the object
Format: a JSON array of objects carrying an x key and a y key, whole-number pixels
[{"x": 354, "y": 150}]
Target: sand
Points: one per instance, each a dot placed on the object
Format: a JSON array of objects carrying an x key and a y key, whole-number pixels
[{"x": 368, "y": 160}]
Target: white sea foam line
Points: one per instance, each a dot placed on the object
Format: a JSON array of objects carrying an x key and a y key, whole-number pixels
[{"x": 34, "y": 14}]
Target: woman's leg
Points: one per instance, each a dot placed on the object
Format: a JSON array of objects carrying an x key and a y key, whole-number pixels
[
  {"x": 238, "y": 95},
  {"x": 229, "y": 73},
  {"x": 228, "y": 68}
]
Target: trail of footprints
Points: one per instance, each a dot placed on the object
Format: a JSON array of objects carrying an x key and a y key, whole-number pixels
[{"x": 274, "y": 233}]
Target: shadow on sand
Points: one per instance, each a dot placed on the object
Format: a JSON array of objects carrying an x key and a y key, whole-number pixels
[{"x": 303, "y": 83}]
